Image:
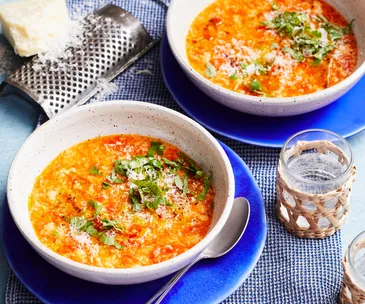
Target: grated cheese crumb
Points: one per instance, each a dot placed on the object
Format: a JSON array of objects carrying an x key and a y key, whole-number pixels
[
  {"x": 104, "y": 89},
  {"x": 82, "y": 237}
]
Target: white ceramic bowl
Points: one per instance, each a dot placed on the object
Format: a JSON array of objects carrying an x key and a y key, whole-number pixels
[
  {"x": 128, "y": 117},
  {"x": 182, "y": 13}
]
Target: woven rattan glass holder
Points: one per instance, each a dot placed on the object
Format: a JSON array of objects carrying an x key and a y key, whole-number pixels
[
  {"x": 353, "y": 284},
  {"x": 314, "y": 181}
]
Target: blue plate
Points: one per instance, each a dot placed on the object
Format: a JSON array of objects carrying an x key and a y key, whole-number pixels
[
  {"x": 210, "y": 281},
  {"x": 346, "y": 116}
]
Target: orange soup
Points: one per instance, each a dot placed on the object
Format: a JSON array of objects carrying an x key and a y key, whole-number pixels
[
  {"x": 121, "y": 201},
  {"x": 279, "y": 48}
]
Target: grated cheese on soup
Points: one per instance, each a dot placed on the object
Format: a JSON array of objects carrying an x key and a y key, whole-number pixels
[
  {"x": 121, "y": 201},
  {"x": 277, "y": 48}
]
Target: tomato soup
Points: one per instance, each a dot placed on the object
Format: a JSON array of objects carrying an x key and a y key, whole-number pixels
[
  {"x": 121, "y": 201},
  {"x": 279, "y": 48}
]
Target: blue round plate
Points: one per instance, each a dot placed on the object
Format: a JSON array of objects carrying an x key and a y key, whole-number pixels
[
  {"x": 221, "y": 276},
  {"x": 346, "y": 116}
]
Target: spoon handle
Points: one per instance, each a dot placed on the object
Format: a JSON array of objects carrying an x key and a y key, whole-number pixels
[{"x": 159, "y": 295}]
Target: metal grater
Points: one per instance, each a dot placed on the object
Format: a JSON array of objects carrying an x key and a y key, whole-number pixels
[{"x": 112, "y": 40}]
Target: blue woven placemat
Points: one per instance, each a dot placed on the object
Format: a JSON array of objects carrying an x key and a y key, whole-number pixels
[{"x": 290, "y": 270}]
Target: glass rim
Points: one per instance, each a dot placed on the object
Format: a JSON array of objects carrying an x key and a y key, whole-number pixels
[
  {"x": 308, "y": 181},
  {"x": 352, "y": 245}
]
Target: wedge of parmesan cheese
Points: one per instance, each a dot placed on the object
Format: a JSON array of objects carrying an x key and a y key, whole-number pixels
[{"x": 32, "y": 26}]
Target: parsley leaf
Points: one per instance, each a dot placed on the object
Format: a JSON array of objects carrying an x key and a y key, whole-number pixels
[
  {"x": 185, "y": 187},
  {"x": 77, "y": 222},
  {"x": 296, "y": 55},
  {"x": 135, "y": 200},
  {"x": 114, "y": 179},
  {"x": 274, "y": 46},
  {"x": 255, "y": 85},
  {"x": 89, "y": 229},
  {"x": 109, "y": 240},
  {"x": 202, "y": 195},
  {"x": 306, "y": 41},
  {"x": 105, "y": 185},
  {"x": 95, "y": 171},
  {"x": 192, "y": 165},
  {"x": 334, "y": 31},
  {"x": 235, "y": 76},
  {"x": 199, "y": 174},
  {"x": 210, "y": 70},
  {"x": 109, "y": 224},
  {"x": 170, "y": 163},
  {"x": 178, "y": 182},
  {"x": 156, "y": 147},
  {"x": 275, "y": 7},
  {"x": 96, "y": 205}
]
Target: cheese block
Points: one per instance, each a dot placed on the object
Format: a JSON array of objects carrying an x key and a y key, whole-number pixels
[{"x": 32, "y": 26}]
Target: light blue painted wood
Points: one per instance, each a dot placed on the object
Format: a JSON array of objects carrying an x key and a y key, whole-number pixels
[{"x": 17, "y": 121}]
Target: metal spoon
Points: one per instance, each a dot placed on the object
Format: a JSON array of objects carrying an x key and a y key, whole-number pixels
[{"x": 223, "y": 243}]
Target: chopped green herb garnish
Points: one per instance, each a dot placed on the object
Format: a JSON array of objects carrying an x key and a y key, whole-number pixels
[
  {"x": 96, "y": 205},
  {"x": 135, "y": 199},
  {"x": 274, "y": 46},
  {"x": 307, "y": 41},
  {"x": 89, "y": 229},
  {"x": 77, "y": 222},
  {"x": 114, "y": 179},
  {"x": 296, "y": 55},
  {"x": 202, "y": 195},
  {"x": 109, "y": 240},
  {"x": 81, "y": 224},
  {"x": 255, "y": 85},
  {"x": 243, "y": 65},
  {"x": 95, "y": 171},
  {"x": 275, "y": 7},
  {"x": 185, "y": 186},
  {"x": 287, "y": 23},
  {"x": 109, "y": 224},
  {"x": 210, "y": 70},
  {"x": 105, "y": 185},
  {"x": 187, "y": 158},
  {"x": 170, "y": 163},
  {"x": 235, "y": 76},
  {"x": 178, "y": 182},
  {"x": 156, "y": 147},
  {"x": 193, "y": 168},
  {"x": 199, "y": 174},
  {"x": 334, "y": 31}
]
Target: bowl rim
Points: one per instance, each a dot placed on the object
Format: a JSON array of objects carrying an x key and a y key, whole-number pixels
[
  {"x": 195, "y": 250},
  {"x": 256, "y": 100}
]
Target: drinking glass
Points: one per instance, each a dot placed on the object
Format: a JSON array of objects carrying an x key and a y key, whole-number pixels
[
  {"x": 315, "y": 175},
  {"x": 353, "y": 285}
]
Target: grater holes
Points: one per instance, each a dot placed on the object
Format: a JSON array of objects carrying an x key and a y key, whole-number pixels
[{"x": 107, "y": 45}]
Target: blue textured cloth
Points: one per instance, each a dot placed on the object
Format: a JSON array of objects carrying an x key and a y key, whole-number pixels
[{"x": 290, "y": 270}]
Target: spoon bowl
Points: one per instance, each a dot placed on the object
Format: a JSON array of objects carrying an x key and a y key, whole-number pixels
[
  {"x": 224, "y": 242},
  {"x": 232, "y": 231}
]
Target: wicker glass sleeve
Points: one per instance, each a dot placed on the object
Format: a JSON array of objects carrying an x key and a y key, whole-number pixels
[
  {"x": 316, "y": 204},
  {"x": 353, "y": 284}
]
